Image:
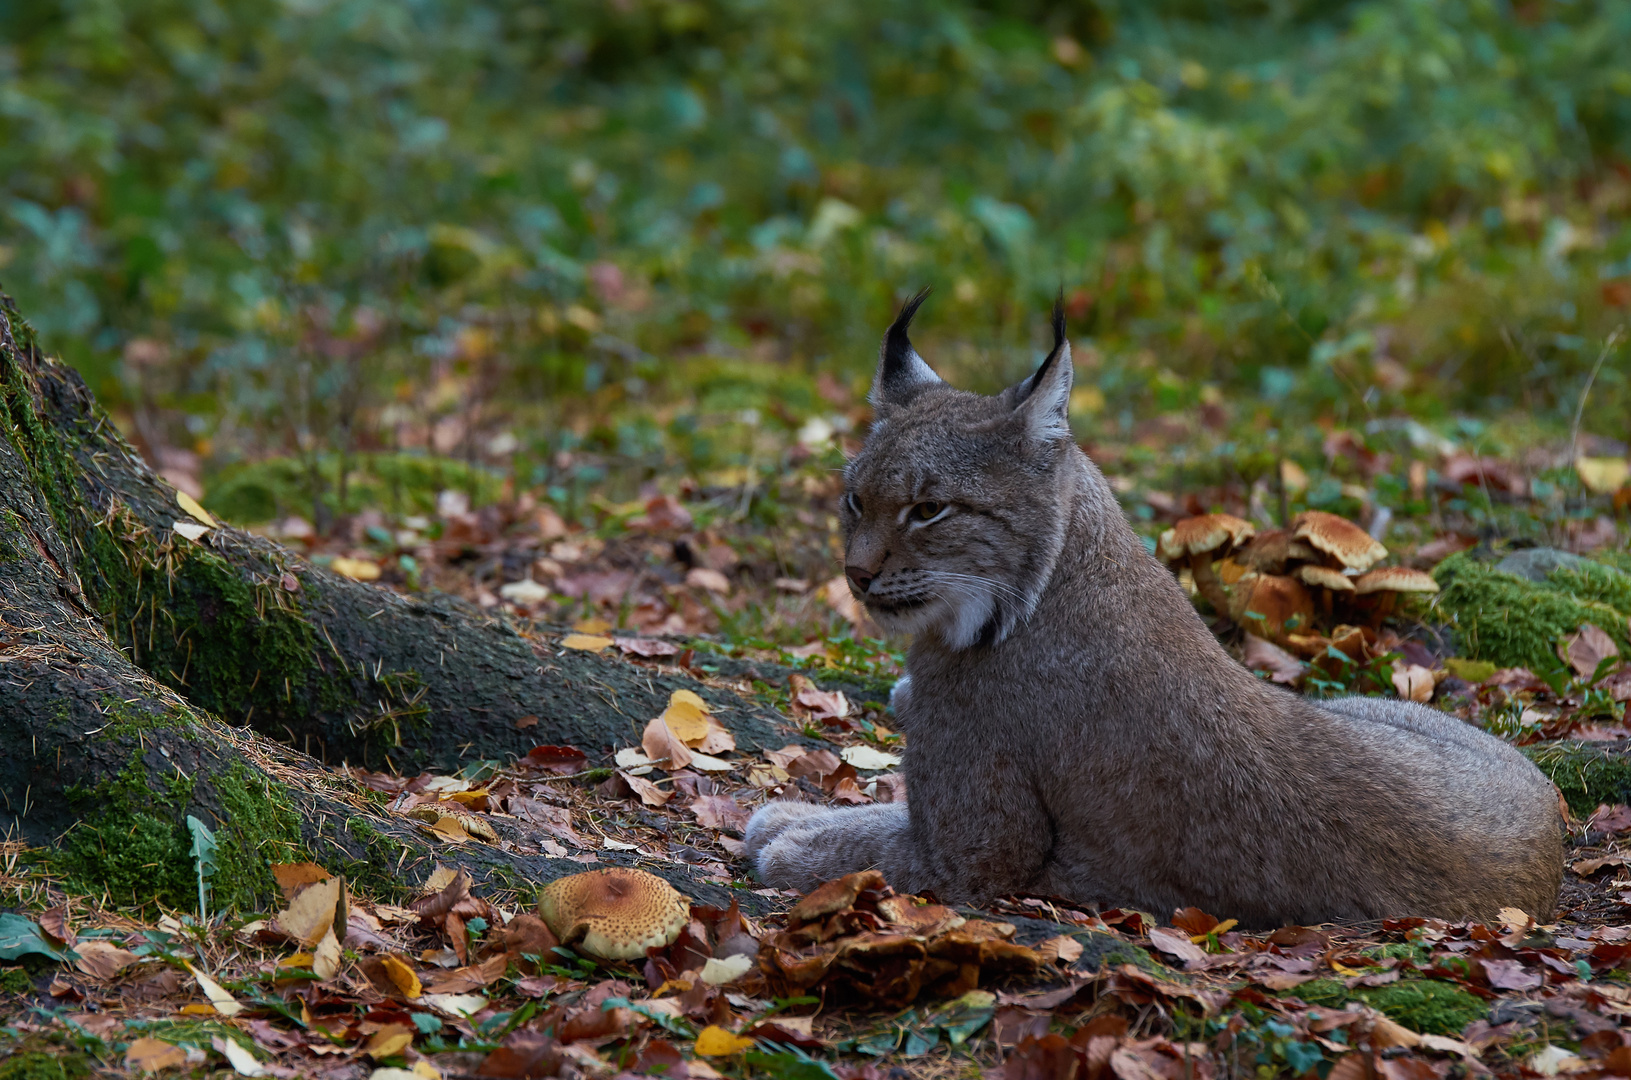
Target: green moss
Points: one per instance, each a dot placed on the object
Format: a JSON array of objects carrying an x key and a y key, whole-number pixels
[
  {"x": 1586, "y": 774},
  {"x": 1424, "y": 1005},
  {"x": 15, "y": 981},
  {"x": 1514, "y": 622},
  {"x": 132, "y": 842},
  {"x": 377, "y": 874},
  {"x": 39, "y": 1065},
  {"x": 400, "y": 483}
]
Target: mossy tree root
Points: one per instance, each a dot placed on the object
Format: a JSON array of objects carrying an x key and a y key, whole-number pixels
[{"x": 146, "y": 677}]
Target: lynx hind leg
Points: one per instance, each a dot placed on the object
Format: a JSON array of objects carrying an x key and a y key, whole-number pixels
[{"x": 799, "y": 846}]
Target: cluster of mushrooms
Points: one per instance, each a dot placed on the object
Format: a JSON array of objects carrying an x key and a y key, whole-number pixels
[{"x": 1272, "y": 583}]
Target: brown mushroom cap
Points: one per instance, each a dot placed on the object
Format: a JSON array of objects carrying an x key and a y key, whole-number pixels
[
  {"x": 1198, "y": 535},
  {"x": 615, "y": 914},
  {"x": 1324, "y": 577},
  {"x": 1269, "y": 552},
  {"x": 1397, "y": 579},
  {"x": 1264, "y": 603},
  {"x": 1339, "y": 538}
]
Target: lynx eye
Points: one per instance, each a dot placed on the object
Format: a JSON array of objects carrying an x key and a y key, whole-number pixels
[
  {"x": 853, "y": 503},
  {"x": 925, "y": 511}
]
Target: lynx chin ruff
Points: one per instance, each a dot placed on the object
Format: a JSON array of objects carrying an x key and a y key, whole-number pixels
[{"x": 1073, "y": 729}]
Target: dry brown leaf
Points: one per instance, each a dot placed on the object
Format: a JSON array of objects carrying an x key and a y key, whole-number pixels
[
  {"x": 585, "y": 642},
  {"x": 1586, "y": 648},
  {"x": 649, "y": 793},
  {"x": 663, "y": 747},
  {"x": 1267, "y": 657},
  {"x": 102, "y": 959},
  {"x": 54, "y": 921},
  {"x": 292, "y": 877},
  {"x": 1413, "y": 682},
  {"x": 314, "y": 911},
  {"x": 153, "y": 1055},
  {"x": 1062, "y": 949},
  {"x": 719, "y": 812}
]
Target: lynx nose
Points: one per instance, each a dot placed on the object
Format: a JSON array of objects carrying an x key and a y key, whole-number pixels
[{"x": 860, "y": 576}]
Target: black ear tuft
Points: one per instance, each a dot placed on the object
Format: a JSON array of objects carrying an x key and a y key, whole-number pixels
[
  {"x": 1059, "y": 319},
  {"x": 901, "y": 371},
  {"x": 897, "y": 346}
]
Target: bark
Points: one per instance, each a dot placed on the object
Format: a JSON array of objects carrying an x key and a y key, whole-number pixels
[{"x": 145, "y": 677}]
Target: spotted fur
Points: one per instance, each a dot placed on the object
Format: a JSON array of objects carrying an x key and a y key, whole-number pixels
[{"x": 1074, "y": 729}]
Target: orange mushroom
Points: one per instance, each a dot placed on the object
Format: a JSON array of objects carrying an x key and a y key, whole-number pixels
[{"x": 1197, "y": 542}]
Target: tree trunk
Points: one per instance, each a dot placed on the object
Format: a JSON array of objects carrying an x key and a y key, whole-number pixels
[{"x": 146, "y": 677}]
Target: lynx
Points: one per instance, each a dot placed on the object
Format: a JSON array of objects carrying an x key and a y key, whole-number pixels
[{"x": 1073, "y": 729}]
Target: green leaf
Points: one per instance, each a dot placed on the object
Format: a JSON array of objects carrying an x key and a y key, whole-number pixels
[
  {"x": 203, "y": 853},
  {"x": 21, "y": 937}
]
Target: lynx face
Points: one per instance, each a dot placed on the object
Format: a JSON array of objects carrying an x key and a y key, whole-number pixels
[{"x": 953, "y": 512}]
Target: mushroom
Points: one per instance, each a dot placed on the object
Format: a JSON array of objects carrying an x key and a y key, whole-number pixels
[
  {"x": 1197, "y": 542},
  {"x": 1327, "y": 580},
  {"x": 615, "y": 914},
  {"x": 1339, "y": 538},
  {"x": 1324, "y": 577},
  {"x": 1269, "y": 552},
  {"x": 1384, "y": 584},
  {"x": 1274, "y": 605}
]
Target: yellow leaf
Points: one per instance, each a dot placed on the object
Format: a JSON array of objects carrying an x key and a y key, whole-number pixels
[
  {"x": 688, "y": 723},
  {"x": 585, "y": 642},
  {"x": 592, "y": 626},
  {"x": 298, "y": 960},
  {"x": 190, "y": 504},
  {"x": 402, "y": 976},
  {"x": 198, "y": 1008},
  {"x": 686, "y": 697},
  {"x": 715, "y": 1041},
  {"x": 1602, "y": 475},
  {"x": 355, "y": 569},
  {"x": 309, "y": 915},
  {"x": 389, "y": 1041},
  {"x": 1221, "y": 928}
]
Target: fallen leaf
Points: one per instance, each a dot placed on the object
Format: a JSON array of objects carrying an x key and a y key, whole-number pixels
[
  {"x": 190, "y": 504},
  {"x": 389, "y": 1041},
  {"x": 1176, "y": 943},
  {"x": 223, "y": 1002},
  {"x": 311, "y": 913},
  {"x": 718, "y": 972},
  {"x": 719, "y": 812},
  {"x": 647, "y": 647},
  {"x": 325, "y": 961},
  {"x": 152, "y": 1055},
  {"x": 1511, "y": 975},
  {"x": 526, "y": 592},
  {"x": 54, "y": 921},
  {"x": 192, "y": 530},
  {"x": 1062, "y": 949},
  {"x": 1602, "y": 475},
  {"x": 1413, "y": 682},
  {"x": 701, "y": 577},
  {"x": 242, "y": 1061},
  {"x": 1587, "y": 867},
  {"x": 1608, "y": 819},
  {"x": 102, "y": 959},
  {"x": 1586, "y": 648},
  {"x": 585, "y": 642},
  {"x": 715, "y": 1041},
  {"x": 823, "y": 704},
  {"x": 649, "y": 793},
  {"x": 292, "y": 877},
  {"x": 1267, "y": 657},
  {"x": 461, "y": 1006},
  {"x": 688, "y": 723},
  {"x": 402, "y": 976},
  {"x": 355, "y": 569},
  {"x": 865, "y": 757},
  {"x": 664, "y": 747}
]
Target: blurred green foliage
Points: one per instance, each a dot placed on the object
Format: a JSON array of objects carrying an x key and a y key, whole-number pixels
[{"x": 327, "y": 225}]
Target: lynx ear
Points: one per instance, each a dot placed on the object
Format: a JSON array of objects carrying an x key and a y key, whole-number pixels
[
  {"x": 1043, "y": 399},
  {"x": 901, "y": 371}
]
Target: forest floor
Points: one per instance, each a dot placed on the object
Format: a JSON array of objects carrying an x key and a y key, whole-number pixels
[{"x": 737, "y": 585}]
